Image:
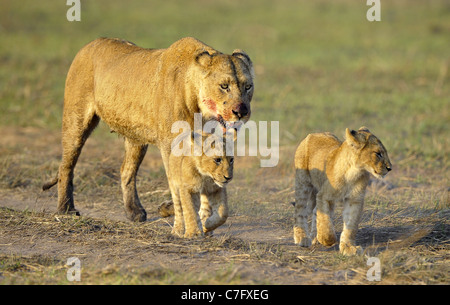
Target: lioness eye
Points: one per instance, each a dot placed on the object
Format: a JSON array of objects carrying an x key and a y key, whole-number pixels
[
  {"x": 248, "y": 87},
  {"x": 218, "y": 160},
  {"x": 379, "y": 155},
  {"x": 231, "y": 160},
  {"x": 224, "y": 86}
]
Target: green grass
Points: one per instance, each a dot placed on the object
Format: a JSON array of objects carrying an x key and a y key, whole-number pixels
[{"x": 320, "y": 66}]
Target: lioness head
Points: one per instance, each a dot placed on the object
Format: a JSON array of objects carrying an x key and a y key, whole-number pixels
[
  {"x": 370, "y": 152},
  {"x": 214, "y": 162},
  {"x": 226, "y": 87}
]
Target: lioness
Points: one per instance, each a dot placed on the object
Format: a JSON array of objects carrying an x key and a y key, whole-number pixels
[
  {"x": 140, "y": 93},
  {"x": 328, "y": 170},
  {"x": 198, "y": 187}
]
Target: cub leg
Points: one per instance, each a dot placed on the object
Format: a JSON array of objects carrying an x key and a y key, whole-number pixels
[
  {"x": 205, "y": 207},
  {"x": 205, "y": 210},
  {"x": 134, "y": 154},
  {"x": 190, "y": 204},
  {"x": 217, "y": 213},
  {"x": 324, "y": 217},
  {"x": 351, "y": 215},
  {"x": 75, "y": 131},
  {"x": 304, "y": 202},
  {"x": 178, "y": 223},
  {"x": 314, "y": 226}
]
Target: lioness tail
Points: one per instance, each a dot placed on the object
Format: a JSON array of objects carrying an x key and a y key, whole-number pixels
[{"x": 49, "y": 184}]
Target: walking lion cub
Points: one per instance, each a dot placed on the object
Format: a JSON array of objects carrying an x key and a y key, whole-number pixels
[
  {"x": 198, "y": 186},
  {"x": 327, "y": 171}
]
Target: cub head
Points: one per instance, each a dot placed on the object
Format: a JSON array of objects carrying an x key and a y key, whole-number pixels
[
  {"x": 214, "y": 161},
  {"x": 225, "y": 87},
  {"x": 370, "y": 153}
]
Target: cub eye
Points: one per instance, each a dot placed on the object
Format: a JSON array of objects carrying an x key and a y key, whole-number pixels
[
  {"x": 248, "y": 87},
  {"x": 218, "y": 160},
  {"x": 379, "y": 155},
  {"x": 224, "y": 86}
]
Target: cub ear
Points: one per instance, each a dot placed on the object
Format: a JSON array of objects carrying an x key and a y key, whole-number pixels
[
  {"x": 352, "y": 138},
  {"x": 364, "y": 128},
  {"x": 245, "y": 58},
  {"x": 204, "y": 59}
]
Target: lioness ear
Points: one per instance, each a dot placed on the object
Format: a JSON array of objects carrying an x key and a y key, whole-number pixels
[
  {"x": 204, "y": 59},
  {"x": 245, "y": 58},
  {"x": 364, "y": 128}
]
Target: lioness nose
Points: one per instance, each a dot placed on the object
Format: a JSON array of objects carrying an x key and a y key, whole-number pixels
[
  {"x": 228, "y": 178},
  {"x": 241, "y": 110},
  {"x": 388, "y": 168}
]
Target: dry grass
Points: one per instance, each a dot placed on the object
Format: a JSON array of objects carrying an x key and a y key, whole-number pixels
[
  {"x": 405, "y": 225},
  {"x": 319, "y": 67}
]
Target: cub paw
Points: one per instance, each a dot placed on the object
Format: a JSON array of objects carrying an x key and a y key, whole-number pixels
[
  {"x": 193, "y": 234},
  {"x": 166, "y": 209},
  {"x": 301, "y": 238},
  {"x": 179, "y": 232},
  {"x": 304, "y": 242},
  {"x": 327, "y": 239},
  {"x": 347, "y": 249}
]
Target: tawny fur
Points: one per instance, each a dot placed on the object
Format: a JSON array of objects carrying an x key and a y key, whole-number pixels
[
  {"x": 329, "y": 171},
  {"x": 140, "y": 93},
  {"x": 198, "y": 187}
]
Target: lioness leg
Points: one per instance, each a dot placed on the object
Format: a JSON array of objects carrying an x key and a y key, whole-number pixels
[
  {"x": 304, "y": 201},
  {"x": 134, "y": 154},
  {"x": 166, "y": 208},
  {"x": 76, "y": 129},
  {"x": 325, "y": 229},
  {"x": 351, "y": 216}
]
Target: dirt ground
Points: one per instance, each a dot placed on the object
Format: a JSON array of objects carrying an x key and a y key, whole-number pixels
[{"x": 255, "y": 245}]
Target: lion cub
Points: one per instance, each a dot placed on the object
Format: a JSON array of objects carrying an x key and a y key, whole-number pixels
[
  {"x": 327, "y": 171},
  {"x": 198, "y": 187}
]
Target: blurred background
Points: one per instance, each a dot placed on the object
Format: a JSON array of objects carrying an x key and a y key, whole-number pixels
[{"x": 320, "y": 65}]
